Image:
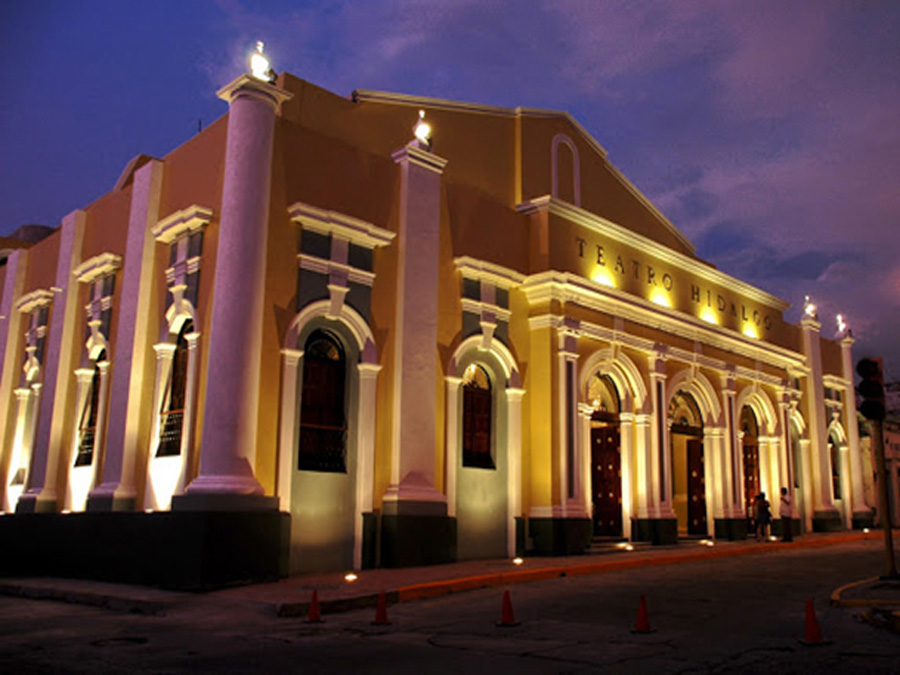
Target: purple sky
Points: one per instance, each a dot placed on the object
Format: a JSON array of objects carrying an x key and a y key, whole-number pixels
[{"x": 768, "y": 132}]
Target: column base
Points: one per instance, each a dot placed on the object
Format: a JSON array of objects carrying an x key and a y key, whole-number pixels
[
  {"x": 827, "y": 521},
  {"x": 209, "y": 501},
  {"x": 863, "y": 519},
  {"x": 417, "y": 533},
  {"x": 560, "y": 536},
  {"x": 34, "y": 503},
  {"x": 731, "y": 529},
  {"x": 369, "y": 541},
  {"x": 105, "y": 499},
  {"x": 658, "y": 531}
]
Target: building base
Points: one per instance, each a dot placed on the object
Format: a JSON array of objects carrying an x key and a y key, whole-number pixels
[
  {"x": 521, "y": 537},
  {"x": 778, "y": 527},
  {"x": 369, "y": 541},
  {"x": 863, "y": 519},
  {"x": 827, "y": 521},
  {"x": 194, "y": 550},
  {"x": 417, "y": 533},
  {"x": 731, "y": 529},
  {"x": 559, "y": 536},
  {"x": 658, "y": 531}
]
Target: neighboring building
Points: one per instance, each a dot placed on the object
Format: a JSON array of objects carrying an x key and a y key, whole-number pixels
[{"x": 303, "y": 341}]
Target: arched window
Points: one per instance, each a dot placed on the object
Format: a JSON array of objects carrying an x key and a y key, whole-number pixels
[
  {"x": 87, "y": 428},
  {"x": 835, "y": 446},
  {"x": 172, "y": 411},
  {"x": 477, "y": 412},
  {"x": 323, "y": 427}
]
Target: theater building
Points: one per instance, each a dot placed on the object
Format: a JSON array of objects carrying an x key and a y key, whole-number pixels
[{"x": 308, "y": 339}]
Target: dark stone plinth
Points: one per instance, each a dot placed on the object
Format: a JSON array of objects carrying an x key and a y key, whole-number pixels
[
  {"x": 560, "y": 536},
  {"x": 658, "y": 531}
]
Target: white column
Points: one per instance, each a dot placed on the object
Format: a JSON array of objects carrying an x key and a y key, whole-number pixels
[
  {"x": 129, "y": 419},
  {"x": 415, "y": 364},
  {"x": 660, "y": 457},
  {"x": 644, "y": 503},
  {"x": 585, "y": 412},
  {"x": 806, "y": 486},
  {"x": 226, "y": 479},
  {"x": 365, "y": 452},
  {"x": 451, "y": 451},
  {"x": 77, "y": 487},
  {"x": 57, "y": 366},
  {"x": 714, "y": 474},
  {"x": 188, "y": 447},
  {"x": 857, "y": 496},
  {"x": 570, "y": 465},
  {"x": 733, "y": 453},
  {"x": 20, "y": 457},
  {"x": 626, "y": 450},
  {"x": 10, "y": 350},
  {"x": 290, "y": 425},
  {"x": 514, "y": 464},
  {"x": 815, "y": 398}
]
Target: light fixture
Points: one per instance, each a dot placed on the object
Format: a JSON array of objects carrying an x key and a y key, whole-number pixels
[
  {"x": 350, "y": 577},
  {"x": 772, "y": 537},
  {"x": 629, "y": 547},
  {"x": 422, "y": 131},
  {"x": 148, "y": 510},
  {"x": 865, "y": 530},
  {"x": 260, "y": 67},
  {"x": 517, "y": 560},
  {"x": 809, "y": 308},
  {"x": 842, "y": 326}
]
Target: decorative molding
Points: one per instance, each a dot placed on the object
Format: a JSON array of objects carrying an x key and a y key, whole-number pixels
[
  {"x": 187, "y": 220},
  {"x": 567, "y": 287},
  {"x": 481, "y": 270},
  {"x": 33, "y": 300},
  {"x": 354, "y": 230},
  {"x": 321, "y": 266},
  {"x": 98, "y": 266},
  {"x": 255, "y": 87},
  {"x": 415, "y": 155},
  {"x": 482, "y": 308}
]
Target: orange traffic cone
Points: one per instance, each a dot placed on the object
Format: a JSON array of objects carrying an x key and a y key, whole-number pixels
[
  {"x": 381, "y": 618},
  {"x": 315, "y": 616},
  {"x": 507, "y": 618},
  {"x": 812, "y": 636},
  {"x": 643, "y": 618}
]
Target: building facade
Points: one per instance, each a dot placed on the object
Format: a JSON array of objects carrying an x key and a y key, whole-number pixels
[{"x": 309, "y": 334}]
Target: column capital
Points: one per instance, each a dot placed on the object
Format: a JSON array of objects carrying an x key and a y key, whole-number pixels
[
  {"x": 412, "y": 154},
  {"x": 292, "y": 356},
  {"x": 810, "y": 324},
  {"x": 247, "y": 86}
]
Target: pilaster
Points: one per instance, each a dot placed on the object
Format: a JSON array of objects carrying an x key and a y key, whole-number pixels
[
  {"x": 861, "y": 514},
  {"x": 10, "y": 348},
  {"x": 55, "y": 415}
]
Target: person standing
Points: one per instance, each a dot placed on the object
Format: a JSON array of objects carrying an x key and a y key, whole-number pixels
[
  {"x": 763, "y": 516},
  {"x": 787, "y": 515}
]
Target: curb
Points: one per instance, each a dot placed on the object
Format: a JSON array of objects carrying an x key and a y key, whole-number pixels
[
  {"x": 299, "y": 609},
  {"x": 117, "y": 603}
]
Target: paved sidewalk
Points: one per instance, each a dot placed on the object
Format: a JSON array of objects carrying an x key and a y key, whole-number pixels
[{"x": 291, "y": 596}]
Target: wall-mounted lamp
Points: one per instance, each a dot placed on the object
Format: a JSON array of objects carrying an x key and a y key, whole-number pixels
[
  {"x": 422, "y": 131},
  {"x": 260, "y": 67}
]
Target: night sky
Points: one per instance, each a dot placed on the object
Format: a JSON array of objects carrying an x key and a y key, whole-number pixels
[{"x": 768, "y": 132}]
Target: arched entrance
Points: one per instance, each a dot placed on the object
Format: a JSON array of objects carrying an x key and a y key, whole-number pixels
[
  {"x": 688, "y": 474},
  {"x": 750, "y": 447},
  {"x": 606, "y": 457}
]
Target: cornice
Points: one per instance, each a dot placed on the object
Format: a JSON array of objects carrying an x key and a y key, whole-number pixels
[
  {"x": 481, "y": 270},
  {"x": 413, "y": 154},
  {"x": 614, "y": 231},
  {"x": 567, "y": 287},
  {"x": 247, "y": 84},
  {"x": 187, "y": 220},
  {"x": 354, "y": 230},
  {"x": 33, "y": 300},
  {"x": 97, "y": 266}
]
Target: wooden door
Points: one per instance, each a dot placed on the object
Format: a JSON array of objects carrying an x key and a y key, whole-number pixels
[
  {"x": 751, "y": 479},
  {"x": 696, "y": 488},
  {"x": 606, "y": 480}
]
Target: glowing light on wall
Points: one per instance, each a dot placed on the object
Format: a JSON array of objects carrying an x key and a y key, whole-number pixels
[
  {"x": 79, "y": 486},
  {"x": 751, "y": 331},
  {"x": 659, "y": 297},
  {"x": 602, "y": 276},
  {"x": 708, "y": 314},
  {"x": 165, "y": 473},
  {"x": 422, "y": 129}
]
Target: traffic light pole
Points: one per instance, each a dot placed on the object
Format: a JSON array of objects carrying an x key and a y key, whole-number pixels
[{"x": 890, "y": 570}]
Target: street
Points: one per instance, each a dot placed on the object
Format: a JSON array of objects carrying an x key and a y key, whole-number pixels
[{"x": 743, "y": 614}]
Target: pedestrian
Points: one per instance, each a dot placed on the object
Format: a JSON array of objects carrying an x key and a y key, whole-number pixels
[
  {"x": 763, "y": 516},
  {"x": 787, "y": 515}
]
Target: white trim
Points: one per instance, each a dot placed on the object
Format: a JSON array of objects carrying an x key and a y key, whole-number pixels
[
  {"x": 562, "y": 139},
  {"x": 99, "y": 265},
  {"x": 762, "y": 407},
  {"x": 481, "y": 270},
  {"x": 191, "y": 219},
  {"x": 696, "y": 384},
  {"x": 354, "y": 230},
  {"x": 33, "y": 300}
]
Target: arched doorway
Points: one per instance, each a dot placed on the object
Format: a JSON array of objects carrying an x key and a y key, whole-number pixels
[
  {"x": 606, "y": 458},
  {"x": 750, "y": 446},
  {"x": 688, "y": 471}
]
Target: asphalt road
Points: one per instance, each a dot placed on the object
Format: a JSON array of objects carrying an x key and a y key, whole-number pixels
[{"x": 743, "y": 614}]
